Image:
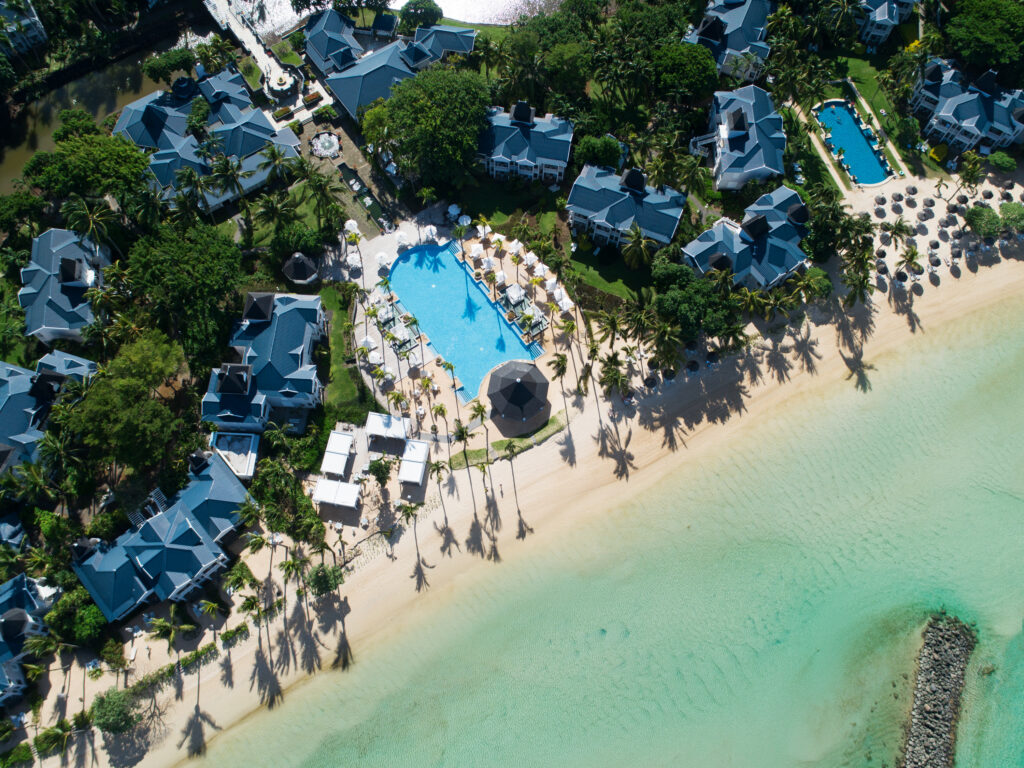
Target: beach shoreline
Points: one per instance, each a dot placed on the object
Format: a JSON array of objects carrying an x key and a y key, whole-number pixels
[{"x": 622, "y": 460}]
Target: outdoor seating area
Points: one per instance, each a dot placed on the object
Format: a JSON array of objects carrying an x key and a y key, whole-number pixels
[{"x": 366, "y": 198}]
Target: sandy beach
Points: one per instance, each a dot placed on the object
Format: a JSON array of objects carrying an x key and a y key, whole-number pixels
[{"x": 609, "y": 453}]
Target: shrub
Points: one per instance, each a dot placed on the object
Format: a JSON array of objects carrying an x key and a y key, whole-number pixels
[
  {"x": 53, "y": 739},
  {"x": 1002, "y": 162},
  {"x": 114, "y": 711},
  {"x": 296, "y": 127},
  {"x": 283, "y": 112},
  {"x": 108, "y": 524},
  {"x": 312, "y": 98},
  {"x": 325, "y": 114},
  {"x": 76, "y": 616},
  {"x": 113, "y": 654},
  {"x": 297, "y": 40},
  {"x": 82, "y": 720},
  {"x": 199, "y": 656},
  {"x": 20, "y": 755},
  {"x": 6, "y": 729},
  {"x": 231, "y": 636},
  {"x": 295, "y": 237}
]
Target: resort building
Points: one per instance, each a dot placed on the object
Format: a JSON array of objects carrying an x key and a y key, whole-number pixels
[
  {"x": 361, "y": 82},
  {"x": 23, "y": 31},
  {"x": 273, "y": 371},
  {"x": 23, "y": 604},
  {"x": 25, "y": 400},
  {"x": 385, "y": 25},
  {"x": 734, "y": 31},
  {"x": 761, "y": 252},
  {"x": 235, "y": 128},
  {"x": 521, "y": 144},
  {"x": 605, "y": 205},
  {"x": 881, "y": 17},
  {"x": 62, "y": 268},
  {"x": 173, "y": 551},
  {"x": 746, "y": 136},
  {"x": 330, "y": 42},
  {"x": 966, "y": 115}
]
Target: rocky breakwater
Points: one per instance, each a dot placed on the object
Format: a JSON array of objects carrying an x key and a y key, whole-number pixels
[{"x": 941, "y": 668}]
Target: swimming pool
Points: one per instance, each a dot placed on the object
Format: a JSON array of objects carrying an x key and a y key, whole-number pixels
[
  {"x": 864, "y": 161},
  {"x": 456, "y": 313}
]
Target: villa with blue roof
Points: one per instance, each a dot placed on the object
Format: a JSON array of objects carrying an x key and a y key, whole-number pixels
[
  {"x": 965, "y": 114},
  {"x": 519, "y": 143},
  {"x": 23, "y": 31},
  {"x": 358, "y": 84},
  {"x": 62, "y": 268},
  {"x": 605, "y": 205},
  {"x": 159, "y": 122},
  {"x": 23, "y": 604},
  {"x": 25, "y": 400},
  {"x": 880, "y": 17},
  {"x": 168, "y": 555},
  {"x": 274, "y": 368},
  {"x": 735, "y": 32},
  {"x": 746, "y": 135},
  {"x": 330, "y": 42},
  {"x": 762, "y": 251}
]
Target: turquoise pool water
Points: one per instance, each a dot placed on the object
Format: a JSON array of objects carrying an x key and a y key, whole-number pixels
[
  {"x": 847, "y": 134},
  {"x": 456, "y": 313}
]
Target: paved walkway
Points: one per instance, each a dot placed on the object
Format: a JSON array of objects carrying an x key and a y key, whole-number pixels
[
  {"x": 224, "y": 13},
  {"x": 863, "y": 103}
]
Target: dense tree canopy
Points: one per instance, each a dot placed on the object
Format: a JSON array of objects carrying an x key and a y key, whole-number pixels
[
  {"x": 689, "y": 302},
  {"x": 419, "y": 13},
  {"x": 433, "y": 123},
  {"x": 685, "y": 71},
  {"x": 184, "y": 279},
  {"x": 163, "y": 67},
  {"x": 88, "y": 165},
  {"x": 598, "y": 150},
  {"x": 115, "y": 711},
  {"x": 983, "y": 220},
  {"x": 990, "y": 34}
]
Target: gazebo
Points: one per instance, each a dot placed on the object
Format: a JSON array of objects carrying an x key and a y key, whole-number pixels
[
  {"x": 518, "y": 393},
  {"x": 300, "y": 269}
]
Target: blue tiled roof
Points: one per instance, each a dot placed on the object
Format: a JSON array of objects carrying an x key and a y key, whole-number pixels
[
  {"x": 62, "y": 363},
  {"x": 756, "y": 141},
  {"x": 385, "y": 22},
  {"x": 733, "y": 28},
  {"x": 370, "y": 78},
  {"x": 21, "y": 416},
  {"x": 545, "y": 138},
  {"x": 979, "y": 105},
  {"x": 763, "y": 250},
  {"x": 18, "y": 597},
  {"x": 598, "y": 195},
  {"x": 236, "y": 128},
  {"x": 62, "y": 268},
  {"x": 12, "y": 532},
  {"x": 170, "y": 549},
  {"x": 330, "y": 43},
  {"x": 441, "y": 39}
]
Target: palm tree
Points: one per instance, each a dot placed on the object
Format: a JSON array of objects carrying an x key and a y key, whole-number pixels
[
  {"x": 478, "y": 410},
  {"x": 692, "y": 174},
  {"x": 492, "y": 280},
  {"x": 910, "y": 261},
  {"x": 277, "y": 209},
  {"x": 859, "y": 287},
  {"x": 637, "y": 248},
  {"x": 461, "y": 434},
  {"x": 228, "y": 176},
  {"x": 777, "y": 302},
  {"x": 168, "y": 629},
  {"x": 294, "y": 568},
  {"x": 610, "y": 325},
  {"x": 209, "y": 608},
  {"x": 250, "y": 513},
  {"x": 900, "y": 231},
  {"x": 90, "y": 220},
  {"x": 722, "y": 279},
  {"x": 280, "y": 165},
  {"x": 750, "y": 302}
]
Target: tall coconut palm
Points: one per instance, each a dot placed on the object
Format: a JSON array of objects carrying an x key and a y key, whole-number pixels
[
  {"x": 910, "y": 261},
  {"x": 637, "y": 248},
  {"x": 859, "y": 288},
  {"x": 610, "y": 326},
  {"x": 168, "y": 629},
  {"x": 92, "y": 220},
  {"x": 692, "y": 174},
  {"x": 277, "y": 209},
  {"x": 278, "y": 165},
  {"x": 229, "y": 178},
  {"x": 900, "y": 231}
]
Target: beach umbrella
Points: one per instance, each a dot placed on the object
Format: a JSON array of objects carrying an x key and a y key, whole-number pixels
[
  {"x": 881, "y": 266},
  {"x": 375, "y": 358},
  {"x": 956, "y": 252},
  {"x": 530, "y": 259},
  {"x": 565, "y": 304},
  {"x": 551, "y": 285},
  {"x": 353, "y": 261},
  {"x": 911, "y": 190},
  {"x": 515, "y": 293},
  {"x": 487, "y": 263},
  {"x": 351, "y": 226},
  {"x": 517, "y": 390},
  {"x": 402, "y": 239},
  {"x": 921, "y": 216},
  {"x": 901, "y": 276},
  {"x": 453, "y": 211},
  {"x": 476, "y": 251},
  {"x": 928, "y": 202},
  {"x": 464, "y": 220},
  {"x": 540, "y": 270},
  {"x": 880, "y": 253},
  {"x": 514, "y": 247},
  {"x": 430, "y": 232},
  {"x": 880, "y": 212},
  {"x": 897, "y": 208},
  {"x": 987, "y": 194},
  {"x": 1007, "y": 196},
  {"x": 933, "y": 244},
  {"x": 880, "y": 199},
  {"x": 692, "y": 366},
  {"x": 1008, "y": 184},
  {"x": 300, "y": 269},
  {"x": 382, "y": 259},
  {"x": 712, "y": 358},
  {"x": 897, "y": 196},
  {"x": 499, "y": 278},
  {"x": 934, "y": 261},
  {"x": 962, "y": 199},
  {"x": 367, "y": 342}
]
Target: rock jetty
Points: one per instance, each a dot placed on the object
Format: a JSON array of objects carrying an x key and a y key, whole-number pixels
[{"x": 941, "y": 667}]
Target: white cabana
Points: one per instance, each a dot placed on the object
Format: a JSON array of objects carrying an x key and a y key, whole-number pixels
[
  {"x": 499, "y": 278},
  {"x": 464, "y": 220},
  {"x": 339, "y": 448},
  {"x": 485, "y": 230},
  {"x": 370, "y": 344},
  {"x": 565, "y": 304},
  {"x": 513, "y": 246},
  {"x": 375, "y": 358},
  {"x": 415, "y": 457},
  {"x": 540, "y": 270},
  {"x": 454, "y": 211},
  {"x": 498, "y": 239},
  {"x": 351, "y": 226},
  {"x": 487, "y": 263},
  {"x": 336, "y": 493},
  {"x": 476, "y": 251},
  {"x": 353, "y": 261},
  {"x": 430, "y": 232},
  {"x": 402, "y": 239},
  {"x": 551, "y": 285},
  {"x": 387, "y": 426},
  {"x": 385, "y": 313},
  {"x": 530, "y": 259},
  {"x": 515, "y": 293}
]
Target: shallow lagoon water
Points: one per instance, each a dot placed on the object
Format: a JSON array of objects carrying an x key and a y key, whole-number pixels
[{"x": 762, "y": 606}]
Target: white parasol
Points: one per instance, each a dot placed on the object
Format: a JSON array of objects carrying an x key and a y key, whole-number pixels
[
  {"x": 367, "y": 342},
  {"x": 515, "y": 293},
  {"x": 430, "y": 232},
  {"x": 402, "y": 239},
  {"x": 375, "y": 358},
  {"x": 476, "y": 251},
  {"x": 351, "y": 226},
  {"x": 499, "y": 278},
  {"x": 540, "y": 270},
  {"x": 353, "y": 261},
  {"x": 530, "y": 259},
  {"x": 464, "y": 220},
  {"x": 382, "y": 259}
]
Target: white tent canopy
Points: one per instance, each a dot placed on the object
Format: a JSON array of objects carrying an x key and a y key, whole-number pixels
[
  {"x": 339, "y": 448},
  {"x": 476, "y": 250},
  {"x": 387, "y": 426},
  {"x": 413, "y": 468},
  {"x": 367, "y": 342},
  {"x": 353, "y": 261},
  {"x": 530, "y": 259},
  {"x": 540, "y": 270},
  {"x": 336, "y": 493},
  {"x": 515, "y": 293},
  {"x": 351, "y": 226},
  {"x": 498, "y": 238},
  {"x": 401, "y": 332},
  {"x": 499, "y": 278},
  {"x": 513, "y": 246},
  {"x": 414, "y": 359},
  {"x": 550, "y": 285},
  {"x": 565, "y": 304},
  {"x": 487, "y": 263}
]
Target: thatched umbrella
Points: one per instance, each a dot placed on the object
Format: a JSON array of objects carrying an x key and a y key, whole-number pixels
[
  {"x": 928, "y": 202},
  {"x": 897, "y": 196},
  {"x": 911, "y": 190},
  {"x": 518, "y": 392},
  {"x": 880, "y": 199},
  {"x": 962, "y": 199},
  {"x": 987, "y": 194},
  {"x": 300, "y": 269}
]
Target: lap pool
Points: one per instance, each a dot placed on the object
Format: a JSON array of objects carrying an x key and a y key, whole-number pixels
[
  {"x": 456, "y": 314},
  {"x": 865, "y": 163}
]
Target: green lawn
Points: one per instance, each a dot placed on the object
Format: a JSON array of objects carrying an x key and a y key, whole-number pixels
[
  {"x": 553, "y": 426},
  {"x": 496, "y": 32},
  {"x": 502, "y": 201},
  {"x": 606, "y": 271},
  {"x": 287, "y": 54},
  {"x": 347, "y": 398},
  {"x": 250, "y": 72},
  {"x": 475, "y": 455},
  {"x": 264, "y": 232}
]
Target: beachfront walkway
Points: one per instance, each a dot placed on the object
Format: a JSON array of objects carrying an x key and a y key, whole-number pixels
[{"x": 223, "y": 11}]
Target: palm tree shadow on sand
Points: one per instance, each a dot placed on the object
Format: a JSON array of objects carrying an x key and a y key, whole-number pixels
[{"x": 264, "y": 680}]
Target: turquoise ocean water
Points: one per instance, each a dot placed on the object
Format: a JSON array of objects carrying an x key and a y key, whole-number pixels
[{"x": 761, "y": 607}]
